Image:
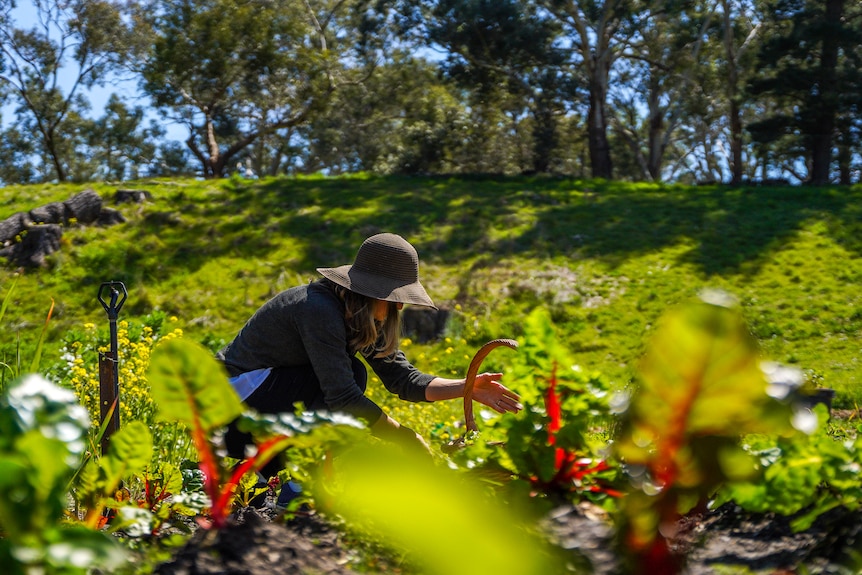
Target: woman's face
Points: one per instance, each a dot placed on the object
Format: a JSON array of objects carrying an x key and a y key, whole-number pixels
[{"x": 381, "y": 309}]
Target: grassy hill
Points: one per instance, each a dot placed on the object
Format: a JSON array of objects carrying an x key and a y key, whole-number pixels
[{"x": 607, "y": 258}]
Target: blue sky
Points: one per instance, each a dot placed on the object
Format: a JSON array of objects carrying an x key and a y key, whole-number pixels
[{"x": 25, "y": 17}]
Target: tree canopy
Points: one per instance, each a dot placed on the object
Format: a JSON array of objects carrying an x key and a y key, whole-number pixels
[{"x": 687, "y": 90}]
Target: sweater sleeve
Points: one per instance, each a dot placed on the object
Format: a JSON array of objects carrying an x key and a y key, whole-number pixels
[
  {"x": 400, "y": 377},
  {"x": 324, "y": 337}
]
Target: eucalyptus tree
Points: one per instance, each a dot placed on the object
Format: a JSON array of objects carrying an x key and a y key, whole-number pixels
[
  {"x": 809, "y": 79},
  {"x": 597, "y": 32},
  {"x": 404, "y": 118},
  {"x": 849, "y": 119},
  {"x": 709, "y": 143},
  {"x": 234, "y": 71},
  {"x": 503, "y": 53},
  {"x": 656, "y": 73},
  {"x": 741, "y": 29},
  {"x": 72, "y": 47},
  {"x": 16, "y": 157},
  {"x": 172, "y": 159},
  {"x": 121, "y": 143}
]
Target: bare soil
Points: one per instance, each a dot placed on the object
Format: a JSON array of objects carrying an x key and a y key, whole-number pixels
[
  {"x": 724, "y": 541},
  {"x": 718, "y": 542}
]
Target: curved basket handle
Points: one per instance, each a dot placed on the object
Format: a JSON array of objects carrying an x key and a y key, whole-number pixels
[{"x": 472, "y": 371}]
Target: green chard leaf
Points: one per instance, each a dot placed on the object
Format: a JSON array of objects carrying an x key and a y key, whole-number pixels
[{"x": 190, "y": 386}]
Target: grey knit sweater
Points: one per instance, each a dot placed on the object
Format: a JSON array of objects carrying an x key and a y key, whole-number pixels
[{"x": 305, "y": 325}]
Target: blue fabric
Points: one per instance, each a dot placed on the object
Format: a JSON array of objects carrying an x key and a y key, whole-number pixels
[{"x": 246, "y": 383}]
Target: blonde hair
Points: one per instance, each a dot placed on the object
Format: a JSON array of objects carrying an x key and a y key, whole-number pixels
[{"x": 365, "y": 334}]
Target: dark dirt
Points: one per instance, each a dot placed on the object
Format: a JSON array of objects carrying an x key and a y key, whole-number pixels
[
  {"x": 718, "y": 542},
  {"x": 255, "y": 544},
  {"x": 725, "y": 541}
]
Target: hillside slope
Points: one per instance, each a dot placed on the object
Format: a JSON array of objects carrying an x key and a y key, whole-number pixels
[{"x": 606, "y": 258}]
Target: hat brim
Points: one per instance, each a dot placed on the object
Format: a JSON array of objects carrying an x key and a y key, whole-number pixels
[{"x": 378, "y": 287}]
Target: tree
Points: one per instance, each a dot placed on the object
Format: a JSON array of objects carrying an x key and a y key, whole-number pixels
[
  {"x": 404, "y": 118},
  {"x": 803, "y": 72},
  {"x": 655, "y": 77},
  {"x": 735, "y": 24},
  {"x": 119, "y": 142},
  {"x": 502, "y": 51},
  {"x": 86, "y": 33},
  {"x": 597, "y": 32},
  {"x": 234, "y": 71},
  {"x": 171, "y": 160},
  {"x": 16, "y": 151}
]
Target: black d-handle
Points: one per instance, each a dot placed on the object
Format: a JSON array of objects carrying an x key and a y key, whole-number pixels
[{"x": 113, "y": 306}]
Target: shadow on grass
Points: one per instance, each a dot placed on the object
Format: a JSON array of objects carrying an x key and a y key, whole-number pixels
[
  {"x": 730, "y": 229},
  {"x": 322, "y": 221}
]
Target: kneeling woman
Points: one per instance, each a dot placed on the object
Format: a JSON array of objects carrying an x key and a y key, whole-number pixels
[{"x": 302, "y": 346}]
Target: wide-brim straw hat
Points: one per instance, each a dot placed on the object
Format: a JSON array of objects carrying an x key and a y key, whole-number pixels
[{"x": 386, "y": 267}]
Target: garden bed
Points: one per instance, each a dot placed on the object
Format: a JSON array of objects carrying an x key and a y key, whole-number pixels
[{"x": 720, "y": 541}]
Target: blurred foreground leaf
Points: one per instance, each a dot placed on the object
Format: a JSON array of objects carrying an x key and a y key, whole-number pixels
[
  {"x": 446, "y": 523},
  {"x": 190, "y": 386},
  {"x": 701, "y": 388}
]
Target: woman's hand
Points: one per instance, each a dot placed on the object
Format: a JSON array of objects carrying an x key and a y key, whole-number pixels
[
  {"x": 488, "y": 390},
  {"x": 390, "y": 430}
]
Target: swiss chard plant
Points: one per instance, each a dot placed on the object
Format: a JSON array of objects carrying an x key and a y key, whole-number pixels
[
  {"x": 700, "y": 388},
  {"x": 100, "y": 484},
  {"x": 190, "y": 386},
  {"x": 803, "y": 475},
  {"x": 550, "y": 449}
]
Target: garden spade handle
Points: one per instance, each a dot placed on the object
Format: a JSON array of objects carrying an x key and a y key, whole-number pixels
[
  {"x": 109, "y": 375},
  {"x": 473, "y": 370}
]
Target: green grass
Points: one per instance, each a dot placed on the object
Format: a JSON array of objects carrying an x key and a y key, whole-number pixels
[{"x": 607, "y": 258}]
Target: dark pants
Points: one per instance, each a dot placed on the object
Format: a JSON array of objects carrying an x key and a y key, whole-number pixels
[{"x": 284, "y": 387}]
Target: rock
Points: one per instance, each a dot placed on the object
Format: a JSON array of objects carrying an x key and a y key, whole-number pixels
[
  {"x": 35, "y": 244},
  {"x": 29, "y": 237},
  {"x": 12, "y": 226},
  {"x": 110, "y": 217},
  {"x": 132, "y": 196},
  {"x": 52, "y": 213},
  {"x": 424, "y": 324},
  {"x": 83, "y": 207}
]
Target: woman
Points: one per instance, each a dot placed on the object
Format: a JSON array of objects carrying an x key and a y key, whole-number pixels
[{"x": 302, "y": 346}]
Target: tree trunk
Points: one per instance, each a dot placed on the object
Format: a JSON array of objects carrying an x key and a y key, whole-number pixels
[
  {"x": 734, "y": 114},
  {"x": 597, "y": 124},
  {"x": 845, "y": 159},
  {"x": 821, "y": 158},
  {"x": 844, "y": 171},
  {"x": 215, "y": 164},
  {"x": 826, "y": 108},
  {"x": 51, "y": 146},
  {"x": 735, "y": 143},
  {"x": 544, "y": 138},
  {"x": 655, "y": 122}
]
